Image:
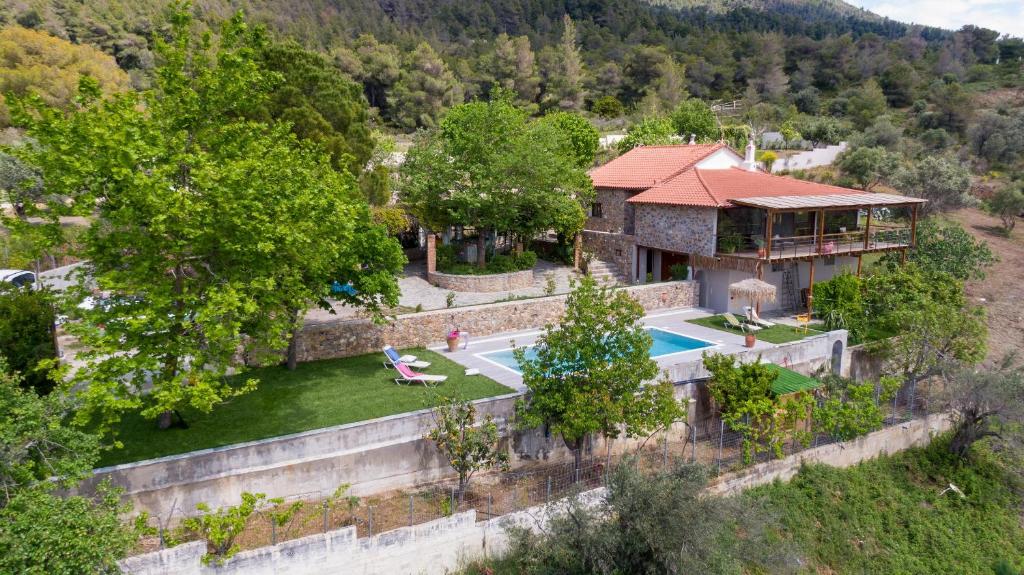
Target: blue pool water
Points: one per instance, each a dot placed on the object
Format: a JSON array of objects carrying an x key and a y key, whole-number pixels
[{"x": 665, "y": 343}]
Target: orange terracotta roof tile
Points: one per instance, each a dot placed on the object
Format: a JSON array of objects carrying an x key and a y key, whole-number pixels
[
  {"x": 715, "y": 188},
  {"x": 647, "y": 166}
]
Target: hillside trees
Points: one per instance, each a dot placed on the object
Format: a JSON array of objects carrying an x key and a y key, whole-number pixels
[
  {"x": 869, "y": 166},
  {"x": 695, "y": 117},
  {"x": 945, "y": 183},
  {"x": 211, "y": 232},
  {"x": 588, "y": 374},
  {"x": 490, "y": 167},
  {"x": 321, "y": 104},
  {"x": 33, "y": 62},
  {"x": 514, "y": 68},
  {"x": 564, "y": 77},
  {"x": 424, "y": 90}
]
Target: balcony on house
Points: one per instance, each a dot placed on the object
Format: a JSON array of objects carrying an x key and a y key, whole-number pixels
[{"x": 799, "y": 227}]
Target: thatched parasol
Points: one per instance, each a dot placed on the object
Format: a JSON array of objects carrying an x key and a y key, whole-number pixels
[{"x": 754, "y": 290}]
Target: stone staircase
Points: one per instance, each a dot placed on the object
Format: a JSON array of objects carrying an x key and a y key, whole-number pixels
[{"x": 605, "y": 272}]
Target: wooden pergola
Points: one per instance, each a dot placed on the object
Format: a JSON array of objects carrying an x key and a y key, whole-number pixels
[{"x": 810, "y": 248}]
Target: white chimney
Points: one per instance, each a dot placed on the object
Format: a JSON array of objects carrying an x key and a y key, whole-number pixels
[
  {"x": 749, "y": 160},
  {"x": 693, "y": 139}
]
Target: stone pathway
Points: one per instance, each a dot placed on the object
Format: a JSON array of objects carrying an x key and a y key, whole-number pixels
[{"x": 416, "y": 291}]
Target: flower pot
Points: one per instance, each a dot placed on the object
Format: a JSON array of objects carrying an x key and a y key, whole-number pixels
[
  {"x": 760, "y": 252},
  {"x": 750, "y": 340},
  {"x": 453, "y": 342}
]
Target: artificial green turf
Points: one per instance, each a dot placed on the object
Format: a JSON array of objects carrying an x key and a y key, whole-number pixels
[
  {"x": 776, "y": 334},
  {"x": 317, "y": 394}
]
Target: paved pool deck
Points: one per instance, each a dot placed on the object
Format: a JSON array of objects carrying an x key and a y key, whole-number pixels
[{"x": 674, "y": 320}]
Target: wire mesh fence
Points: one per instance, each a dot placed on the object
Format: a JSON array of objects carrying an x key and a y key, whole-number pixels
[{"x": 708, "y": 441}]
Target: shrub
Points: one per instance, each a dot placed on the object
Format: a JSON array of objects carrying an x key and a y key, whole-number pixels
[
  {"x": 26, "y": 334},
  {"x": 607, "y": 107},
  {"x": 839, "y": 303},
  {"x": 678, "y": 271}
]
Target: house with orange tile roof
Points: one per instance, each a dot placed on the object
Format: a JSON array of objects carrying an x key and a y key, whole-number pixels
[{"x": 718, "y": 213}]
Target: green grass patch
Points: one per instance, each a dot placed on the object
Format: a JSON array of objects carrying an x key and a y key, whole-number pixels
[
  {"x": 887, "y": 515},
  {"x": 317, "y": 394},
  {"x": 776, "y": 334}
]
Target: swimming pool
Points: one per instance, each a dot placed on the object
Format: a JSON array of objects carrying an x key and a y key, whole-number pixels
[{"x": 665, "y": 343}]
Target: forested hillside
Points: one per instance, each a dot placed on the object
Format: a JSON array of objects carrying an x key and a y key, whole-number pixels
[{"x": 428, "y": 54}]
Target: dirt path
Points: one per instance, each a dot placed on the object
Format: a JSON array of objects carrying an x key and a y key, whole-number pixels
[{"x": 1002, "y": 290}]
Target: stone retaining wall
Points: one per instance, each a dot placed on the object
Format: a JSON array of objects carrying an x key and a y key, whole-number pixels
[
  {"x": 350, "y": 337},
  {"x": 488, "y": 283}
]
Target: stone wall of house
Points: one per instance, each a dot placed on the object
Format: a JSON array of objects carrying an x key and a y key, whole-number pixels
[
  {"x": 349, "y": 337},
  {"x": 617, "y": 249},
  {"x": 680, "y": 229},
  {"x": 483, "y": 283},
  {"x": 613, "y": 211}
]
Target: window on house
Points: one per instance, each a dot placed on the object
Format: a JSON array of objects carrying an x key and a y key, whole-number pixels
[{"x": 595, "y": 210}]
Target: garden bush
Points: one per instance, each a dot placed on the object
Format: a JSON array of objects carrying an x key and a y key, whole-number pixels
[{"x": 26, "y": 334}]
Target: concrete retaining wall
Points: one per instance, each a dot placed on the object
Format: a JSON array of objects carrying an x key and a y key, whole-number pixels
[
  {"x": 889, "y": 440},
  {"x": 350, "y": 337},
  {"x": 483, "y": 283},
  {"x": 371, "y": 456},
  {"x": 445, "y": 545}
]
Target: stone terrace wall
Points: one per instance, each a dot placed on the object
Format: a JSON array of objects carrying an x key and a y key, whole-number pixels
[
  {"x": 483, "y": 283},
  {"x": 615, "y": 248},
  {"x": 345, "y": 338},
  {"x": 444, "y": 545}
]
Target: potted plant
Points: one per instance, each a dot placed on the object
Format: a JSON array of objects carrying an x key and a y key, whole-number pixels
[
  {"x": 760, "y": 247},
  {"x": 453, "y": 339},
  {"x": 749, "y": 339}
]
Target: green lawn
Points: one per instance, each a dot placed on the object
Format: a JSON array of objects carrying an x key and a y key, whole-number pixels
[
  {"x": 317, "y": 394},
  {"x": 776, "y": 334}
]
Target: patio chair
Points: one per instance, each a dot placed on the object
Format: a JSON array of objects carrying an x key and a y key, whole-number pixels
[
  {"x": 755, "y": 319},
  {"x": 393, "y": 359},
  {"x": 407, "y": 376},
  {"x": 731, "y": 321}
]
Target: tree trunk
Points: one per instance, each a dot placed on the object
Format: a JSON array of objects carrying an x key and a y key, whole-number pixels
[
  {"x": 293, "y": 351},
  {"x": 463, "y": 482},
  {"x": 481, "y": 249},
  {"x": 576, "y": 445}
]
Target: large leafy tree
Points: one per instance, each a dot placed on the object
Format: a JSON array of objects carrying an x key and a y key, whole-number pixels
[
  {"x": 591, "y": 372},
  {"x": 488, "y": 166},
  {"x": 946, "y": 247},
  {"x": 212, "y": 231}
]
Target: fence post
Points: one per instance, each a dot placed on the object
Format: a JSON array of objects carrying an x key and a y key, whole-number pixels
[
  {"x": 693, "y": 446},
  {"x": 160, "y": 532},
  {"x": 489, "y": 498},
  {"x": 326, "y": 508},
  {"x": 721, "y": 438},
  {"x": 410, "y": 510},
  {"x": 515, "y": 497},
  {"x": 895, "y": 397},
  {"x": 273, "y": 531},
  {"x": 369, "y": 516},
  {"x": 453, "y": 508},
  {"x": 548, "y": 497},
  {"x": 664, "y": 458}
]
